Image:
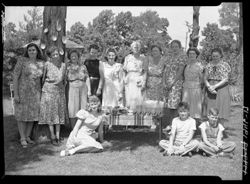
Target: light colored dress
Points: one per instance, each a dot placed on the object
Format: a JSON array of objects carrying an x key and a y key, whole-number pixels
[
  {"x": 113, "y": 85},
  {"x": 221, "y": 100},
  {"x": 192, "y": 93},
  {"x": 154, "y": 85},
  {"x": 173, "y": 62},
  {"x": 29, "y": 89},
  {"x": 133, "y": 91},
  {"x": 53, "y": 101},
  {"x": 86, "y": 134},
  {"x": 78, "y": 90}
]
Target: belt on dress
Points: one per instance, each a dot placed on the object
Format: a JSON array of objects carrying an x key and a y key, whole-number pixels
[{"x": 94, "y": 78}]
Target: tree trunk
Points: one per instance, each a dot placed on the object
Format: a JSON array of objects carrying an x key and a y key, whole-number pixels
[
  {"x": 54, "y": 30},
  {"x": 194, "y": 36}
]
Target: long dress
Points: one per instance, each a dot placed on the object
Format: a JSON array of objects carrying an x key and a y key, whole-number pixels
[
  {"x": 113, "y": 85},
  {"x": 78, "y": 90},
  {"x": 86, "y": 133},
  {"x": 173, "y": 62},
  {"x": 53, "y": 101},
  {"x": 192, "y": 93},
  {"x": 29, "y": 89},
  {"x": 92, "y": 66},
  {"x": 221, "y": 100},
  {"x": 133, "y": 79},
  {"x": 154, "y": 85}
]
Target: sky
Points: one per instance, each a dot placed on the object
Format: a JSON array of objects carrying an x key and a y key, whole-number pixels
[{"x": 176, "y": 15}]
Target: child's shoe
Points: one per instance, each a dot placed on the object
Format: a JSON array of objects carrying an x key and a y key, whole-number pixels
[{"x": 64, "y": 153}]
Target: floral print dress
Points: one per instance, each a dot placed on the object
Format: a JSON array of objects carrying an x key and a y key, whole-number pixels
[
  {"x": 173, "y": 62},
  {"x": 29, "y": 76},
  {"x": 221, "y": 100},
  {"x": 154, "y": 85},
  {"x": 53, "y": 101}
]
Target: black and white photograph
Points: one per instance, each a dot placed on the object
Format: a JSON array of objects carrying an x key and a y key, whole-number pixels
[{"x": 124, "y": 90}]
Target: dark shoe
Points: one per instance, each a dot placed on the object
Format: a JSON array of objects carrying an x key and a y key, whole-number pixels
[
  {"x": 54, "y": 142},
  {"x": 162, "y": 150}
]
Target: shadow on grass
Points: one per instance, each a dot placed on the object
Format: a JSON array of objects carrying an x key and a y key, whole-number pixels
[
  {"x": 131, "y": 139},
  {"x": 16, "y": 157}
]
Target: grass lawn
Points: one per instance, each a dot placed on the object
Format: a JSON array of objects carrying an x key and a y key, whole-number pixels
[{"x": 132, "y": 153}]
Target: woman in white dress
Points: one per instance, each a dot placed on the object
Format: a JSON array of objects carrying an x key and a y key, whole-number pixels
[
  {"x": 83, "y": 137},
  {"x": 134, "y": 77},
  {"x": 113, "y": 85}
]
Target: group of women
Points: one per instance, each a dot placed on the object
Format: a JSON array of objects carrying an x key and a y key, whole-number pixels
[{"x": 40, "y": 87}]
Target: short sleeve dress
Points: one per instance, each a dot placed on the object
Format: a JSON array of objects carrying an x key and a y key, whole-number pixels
[
  {"x": 29, "y": 76},
  {"x": 173, "y": 62},
  {"x": 53, "y": 101},
  {"x": 192, "y": 93},
  {"x": 78, "y": 90},
  {"x": 221, "y": 100},
  {"x": 85, "y": 135}
]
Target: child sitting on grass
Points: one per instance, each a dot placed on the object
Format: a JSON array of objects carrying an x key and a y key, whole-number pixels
[
  {"x": 212, "y": 134},
  {"x": 83, "y": 137},
  {"x": 182, "y": 131}
]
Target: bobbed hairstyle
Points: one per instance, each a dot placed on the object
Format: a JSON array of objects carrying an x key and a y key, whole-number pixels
[
  {"x": 111, "y": 50},
  {"x": 39, "y": 53},
  {"x": 93, "y": 46},
  {"x": 195, "y": 50},
  {"x": 176, "y": 41},
  {"x": 217, "y": 50},
  {"x": 92, "y": 99},
  {"x": 74, "y": 51},
  {"x": 50, "y": 50},
  {"x": 156, "y": 46}
]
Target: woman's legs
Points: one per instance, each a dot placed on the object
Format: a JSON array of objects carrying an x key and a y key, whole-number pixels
[
  {"x": 21, "y": 128},
  {"x": 28, "y": 131},
  {"x": 58, "y": 132},
  {"x": 52, "y": 134}
]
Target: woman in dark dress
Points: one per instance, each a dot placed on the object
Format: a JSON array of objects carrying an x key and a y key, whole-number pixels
[{"x": 95, "y": 70}]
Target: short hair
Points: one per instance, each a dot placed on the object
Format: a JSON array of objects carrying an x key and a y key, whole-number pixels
[
  {"x": 176, "y": 41},
  {"x": 111, "y": 50},
  {"x": 156, "y": 46},
  {"x": 213, "y": 111},
  {"x": 94, "y": 98},
  {"x": 73, "y": 51},
  {"x": 39, "y": 53},
  {"x": 195, "y": 50},
  {"x": 217, "y": 50},
  {"x": 183, "y": 105},
  {"x": 51, "y": 49},
  {"x": 93, "y": 46},
  {"x": 135, "y": 43}
]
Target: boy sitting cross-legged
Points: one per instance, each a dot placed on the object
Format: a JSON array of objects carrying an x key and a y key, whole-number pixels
[
  {"x": 212, "y": 134},
  {"x": 183, "y": 128}
]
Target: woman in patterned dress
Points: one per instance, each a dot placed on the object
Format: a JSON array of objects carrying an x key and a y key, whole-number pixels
[
  {"x": 193, "y": 77},
  {"x": 53, "y": 101},
  {"x": 216, "y": 81},
  {"x": 173, "y": 78},
  {"x": 113, "y": 84},
  {"x": 134, "y": 77},
  {"x": 154, "y": 67},
  {"x": 77, "y": 76},
  {"x": 27, "y": 91}
]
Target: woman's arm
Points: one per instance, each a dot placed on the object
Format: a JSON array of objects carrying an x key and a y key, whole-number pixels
[
  {"x": 178, "y": 74},
  {"x": 101, "y": 81},
  {"x": 88, "y": 86},
  {"x": 77, "y": 126},
  {"x": 17, "y": 73}
]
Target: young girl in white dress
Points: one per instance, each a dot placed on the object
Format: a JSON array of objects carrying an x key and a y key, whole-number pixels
[{"x": 83, "y": 137}]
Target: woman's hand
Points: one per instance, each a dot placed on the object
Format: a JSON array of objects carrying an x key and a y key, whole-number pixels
[
  {"x": 98, "y": 92},
  {"x": 17, "y": 98}
]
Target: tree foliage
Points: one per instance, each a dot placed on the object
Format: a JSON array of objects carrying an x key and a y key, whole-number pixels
[{"x": 108, "y": 30}]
